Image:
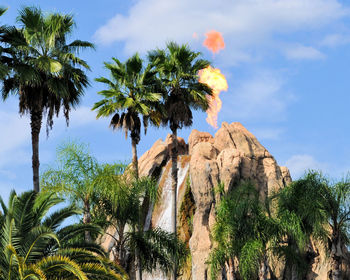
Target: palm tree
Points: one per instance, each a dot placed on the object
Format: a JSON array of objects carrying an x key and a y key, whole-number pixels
[
  {"x": 336, "y": 205},
  {"x": 241, "y": 232},
  {"x": 34, "y": 245},
  {"x": 304, "y": 199},
  {"x": 45, "y": 72},
  {"x": 132, "y": 91},
  {"x": 120, "y": 209},
  {"x": 76, "y": 178},
  {"x": 178, "y": 68}
]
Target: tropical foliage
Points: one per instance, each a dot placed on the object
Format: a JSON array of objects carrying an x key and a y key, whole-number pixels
[
  {"x": 35, "y": 245},
  {"x": 250, "y": 231},
  {"x": 247, "y": 232},
  {"x": 323, "y": 210},
  {"x": 123, "y": 211},
  {"x": 76, "y": 178},
  {"x": 114, "y": 202}
]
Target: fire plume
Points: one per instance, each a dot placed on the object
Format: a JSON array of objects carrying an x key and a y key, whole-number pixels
[
  {"x": 217, "y": 82},
  {"x": 214, "y": 41}
]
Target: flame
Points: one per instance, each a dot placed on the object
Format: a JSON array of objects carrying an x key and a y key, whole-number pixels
[
  {"x": 214, "y": 41},
  {"x": 217, "y": 82}
]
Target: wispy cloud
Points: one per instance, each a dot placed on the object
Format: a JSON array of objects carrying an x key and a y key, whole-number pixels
[
  {"x": 268, "y": 133},
  {"x": 334, "y": 40},
  {"x": 244, "y": 23},
  {"x": 261, "y": 97},
  {"x": 299, "y": 164},
  {"x": 300, "y": 52}
]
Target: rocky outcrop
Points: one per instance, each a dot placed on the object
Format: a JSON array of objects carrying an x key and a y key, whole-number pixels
[
  {"x": 151, "y": 162},
  {"x": 231, "y": 156}
]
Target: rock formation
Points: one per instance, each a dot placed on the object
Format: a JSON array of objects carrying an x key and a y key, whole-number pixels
[{"x": 234, "y": 154}]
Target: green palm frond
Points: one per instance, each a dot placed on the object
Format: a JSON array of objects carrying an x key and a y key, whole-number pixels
[
  {"x": 33, "y": 247},
  {"x": 39, "y": 57},
  {"x": 131, "y": 92},
  {"x": 2, "y": 11}
]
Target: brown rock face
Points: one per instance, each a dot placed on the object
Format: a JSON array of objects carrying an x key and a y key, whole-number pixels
[
  {"x": 234, "y": 154},
  {"x": 151, "y": 162}
]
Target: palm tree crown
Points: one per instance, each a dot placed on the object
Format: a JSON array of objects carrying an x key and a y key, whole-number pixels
[
  {"x": 132, "y": 91},
  {"x": 178, "y": 67}
]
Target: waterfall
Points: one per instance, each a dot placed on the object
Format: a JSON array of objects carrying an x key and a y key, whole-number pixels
[{"x": 165, "y": 219}]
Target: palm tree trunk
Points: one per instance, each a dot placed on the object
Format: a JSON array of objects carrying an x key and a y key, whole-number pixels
[
  {"x": 336, "y": 268},
  {"x": 264, "y": 268},
  {"x": 138, "y": 267},
  {"x": 294, "y": 272},
  {"x": 231, "y": 275},
  {"x": 336, "y": 259},
  {"x": 35, "y": 124},
  {"x": 135, "y": 165},
  {"x": 87, "y": 220},
  {"x": 174, "y": 153},
  {"x": 134, "y": 158}
]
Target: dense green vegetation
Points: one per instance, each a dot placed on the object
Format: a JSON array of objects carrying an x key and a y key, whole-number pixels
[
  {"x": 42, "y": 69},
  {"x": 249, "y": 229},
  {"x": 35, "y": 245}
]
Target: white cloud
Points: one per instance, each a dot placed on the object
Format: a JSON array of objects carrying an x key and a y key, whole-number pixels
[
  {"x": 303, "y": 52},
  {"x": 334, "y": 40},
  {"x": 268, "y": 133},
  {"x": 15, "y": 131},
  {"x": 299, "y": 164},
  {"x": 260, "y": 98},
  {"x": 244, "y": 23}
]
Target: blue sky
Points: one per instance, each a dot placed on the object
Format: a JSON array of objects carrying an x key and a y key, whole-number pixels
[{"x": 287, "y": 63}]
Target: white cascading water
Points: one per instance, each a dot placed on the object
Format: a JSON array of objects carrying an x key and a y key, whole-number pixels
[{"x": 165, "y": 220}]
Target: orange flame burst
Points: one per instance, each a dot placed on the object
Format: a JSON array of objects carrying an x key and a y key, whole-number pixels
[
  {"x": 217, "y": 82},
  {"x": 214, "y": 41}
]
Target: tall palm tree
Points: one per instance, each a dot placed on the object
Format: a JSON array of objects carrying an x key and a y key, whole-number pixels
[
  {"x": 178, "y": 68},
  {"x": 45, "y": 72},
  {"x": 34, "y": 245},
  {"x": 131, "y": 93}
]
